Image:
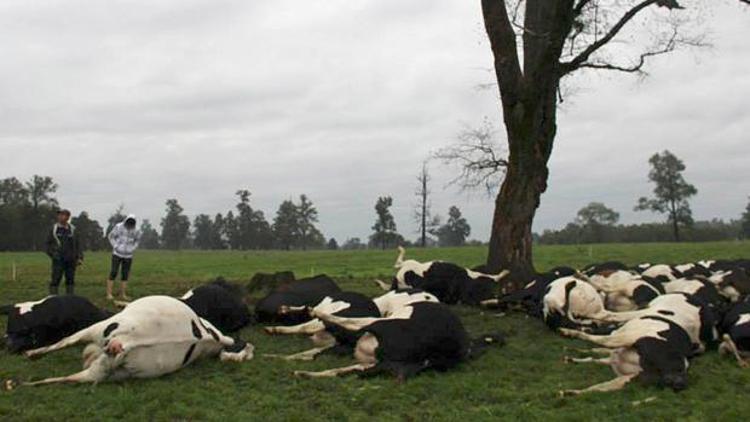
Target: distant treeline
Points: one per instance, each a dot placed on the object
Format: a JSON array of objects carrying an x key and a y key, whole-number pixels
[
  {"x": 27, "y": 212},
  {"x": 699, "y": 231}
]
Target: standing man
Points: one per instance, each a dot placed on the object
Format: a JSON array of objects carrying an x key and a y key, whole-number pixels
[
  {"x": 64, "y": 248},
  {"x": 124, "y": 238}
]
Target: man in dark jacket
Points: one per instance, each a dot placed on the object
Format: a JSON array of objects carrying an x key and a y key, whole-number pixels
[{"x": 64, "y": 248}]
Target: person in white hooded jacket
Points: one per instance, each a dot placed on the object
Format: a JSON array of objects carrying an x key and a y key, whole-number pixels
[{"x": 124, "y": 238}]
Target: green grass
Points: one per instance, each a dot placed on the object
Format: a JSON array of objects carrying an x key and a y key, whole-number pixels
[{"x": 519, "y": 381}]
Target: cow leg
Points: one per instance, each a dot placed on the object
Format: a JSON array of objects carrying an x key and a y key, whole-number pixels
[
  {"x": 306, "y": 355},
  {"x": 86, "y": 335},
  {"x": 610, "y": 341},
  {"x": 334, "y": 372},
  {"x": 310, "y": 327},
  {"x": 728, "y": 346},
  {"x": 98, "y": 371},
  {"x": 351, "y": 324},
  {"x": 383, "y": 285},
  {"x": 611, "y": 385},
  {"x": 603, "y": 361}
]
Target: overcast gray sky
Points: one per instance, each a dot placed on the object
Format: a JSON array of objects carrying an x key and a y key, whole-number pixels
[{"x": 135, "y": 102}]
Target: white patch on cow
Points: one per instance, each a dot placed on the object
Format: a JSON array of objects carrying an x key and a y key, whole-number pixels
[
  {"x": 418, "y": 268},
  {"x": 187, "y": 295},
  {"x": 25, "y": 307},
  {"x": 683, "y": 285},
  {"x": 684, "y": 267},
  {"x": 719, "y": 276},
  {"x": 660, "y": 270},
  {"x": 744, "y": 319},
  {"x": 530, "y": 285},
  {"x": 392, "y": 301},
  {"x": 706, "y": 264}
]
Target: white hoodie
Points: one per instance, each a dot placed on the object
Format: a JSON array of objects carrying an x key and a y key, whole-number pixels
[{"x": 124, "y": 241}]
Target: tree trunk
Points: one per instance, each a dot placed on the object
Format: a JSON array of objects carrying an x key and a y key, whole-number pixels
[{"x": 675, "y": 229}]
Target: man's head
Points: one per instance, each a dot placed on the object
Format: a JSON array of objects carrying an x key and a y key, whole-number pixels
[
  {"x": 130, "y": 222},
  {"x": 63, "y": 216}
]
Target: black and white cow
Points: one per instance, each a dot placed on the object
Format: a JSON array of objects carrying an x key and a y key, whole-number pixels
[
  {"x": 662, "y": 272},
  {"x": 733, "y": 284},
  {"x": 305, "y": 292},
  {"x": 696, "y": 286},
  {"x": 570, "y": 302},
  {"x": 47, "y": 321},
  {"x": 417, "y": 337},
  {"x": 652, "y": 349},
  {"x": 624, "y": 290},
  {"x": 530, "y": 297},
  {"x": 600, "y": 267},
  {"x": 326, "y": 336},
  {"x": 698, "y": 318},
  {"x": 736, "y": 333},
  {"x": 450, "y": 283},
  {"x": 394, "y": 300},
  {"x": 221, "y": 303},
  {"x": 152, "y": 336}
]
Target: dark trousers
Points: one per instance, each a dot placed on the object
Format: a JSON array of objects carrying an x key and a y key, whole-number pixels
[
  {"x": 122, "y": 264},
  {"x": 62, "y": 267}
]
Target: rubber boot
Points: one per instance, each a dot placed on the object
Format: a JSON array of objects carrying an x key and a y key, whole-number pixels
[{"x": 53, "y": 290}]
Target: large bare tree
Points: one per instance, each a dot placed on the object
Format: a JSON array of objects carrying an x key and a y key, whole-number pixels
[{"x": 538, "y": 43}]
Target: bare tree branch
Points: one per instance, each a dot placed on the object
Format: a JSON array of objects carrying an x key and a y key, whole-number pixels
[
  {"x": 479, "y": 156},
  {"x": 584, "y": 56},
  {"x": 674, "y": 41}
]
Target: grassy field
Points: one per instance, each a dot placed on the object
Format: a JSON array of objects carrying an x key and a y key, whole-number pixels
[{"x": 519, "y": 381}]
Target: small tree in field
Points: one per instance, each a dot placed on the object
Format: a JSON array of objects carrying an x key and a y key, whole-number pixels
[
  {"x": 455, "y": 231},
  {"x": 175, "y": 226},
  {"x": 671, "y": 193},
  {"x": 594, "y": 217},
  {"x": 384, "y": 229},
  {"x": 426, "y": 222},
  {"x": 149, "y": 236}
]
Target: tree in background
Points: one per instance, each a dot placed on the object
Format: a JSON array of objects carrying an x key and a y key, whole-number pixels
[
  {"x": 175, "y": 226},
  {"x": 149, "y": 236},
  {"x": 423, "y": 209},
  {"x": 455, "y": 230},
  {"x": 249, "y": 229},
  {"x": 13, "y": 192},
  {"x": 285, "y": 225},
  {"x": 41, "y": 191},
  {"x": 537, "y": 43},
  {"x": 671, "y": 192},
  {"x": 307, "y": 216},
  {"x": 594, "y": 217},
  {"x": 332, "y": 244},
  {"x": 385, "y": 234},
  {"x": 207, "y": 233},
  {"x": 89, "y": 231},
  {"x": 116, "y": 217},
  {"x": 353, "y": 243},
  {"x": 746, "y": 222}
]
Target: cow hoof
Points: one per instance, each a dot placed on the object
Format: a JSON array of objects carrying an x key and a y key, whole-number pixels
[
  {"x": 567, "y": 359},
  {"x": 30, "y": 354},
  {"x": 269, "y": 330},
  {"x": 10, "y": 384},
  {"x": 569, "y": 393},
  {"x": 302, "y": 374}
]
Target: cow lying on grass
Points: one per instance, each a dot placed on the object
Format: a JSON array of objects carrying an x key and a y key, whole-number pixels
[
  {"x": 304, "y": 292},
  {"x": 152, "y": 336},
  {"x": 450, "y": 283},
  {"x": 47, "y": 321},
  {"x": 415, "y": 338},
  {"x": 221, "y": 303},
  {"x": 651, "y": 349},
  {"x": 736, "y": 329},
  {"x": 326, "y": 336}
]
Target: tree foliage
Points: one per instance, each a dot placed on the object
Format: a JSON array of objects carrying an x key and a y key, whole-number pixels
[
  {"x": 149, "y": 236},
  {"x": 175, "y": 226},
  {"x": 671, "y": 191},
  {"x": 455, "y": 231},
  {"x": 746, "y": 222},
  {"x": 384, "y": 230}
]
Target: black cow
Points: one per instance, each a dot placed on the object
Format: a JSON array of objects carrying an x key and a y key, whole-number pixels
[
  {"x": 651, "y": 349},
  {"x": 41, "y": 323},
  {"x": 450, "y": 283},
  {"x": 599, "y": 267},
  {"x": 221, "y": 303},
  {"x": 325, "y": 336},
  {"x": 530, "y": 297},
  {"x": 304, "y": 292},
  {"x": 418, "y": 337}
]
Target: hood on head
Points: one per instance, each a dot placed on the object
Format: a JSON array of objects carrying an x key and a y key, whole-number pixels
[{"x": 130, "y": 217}]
